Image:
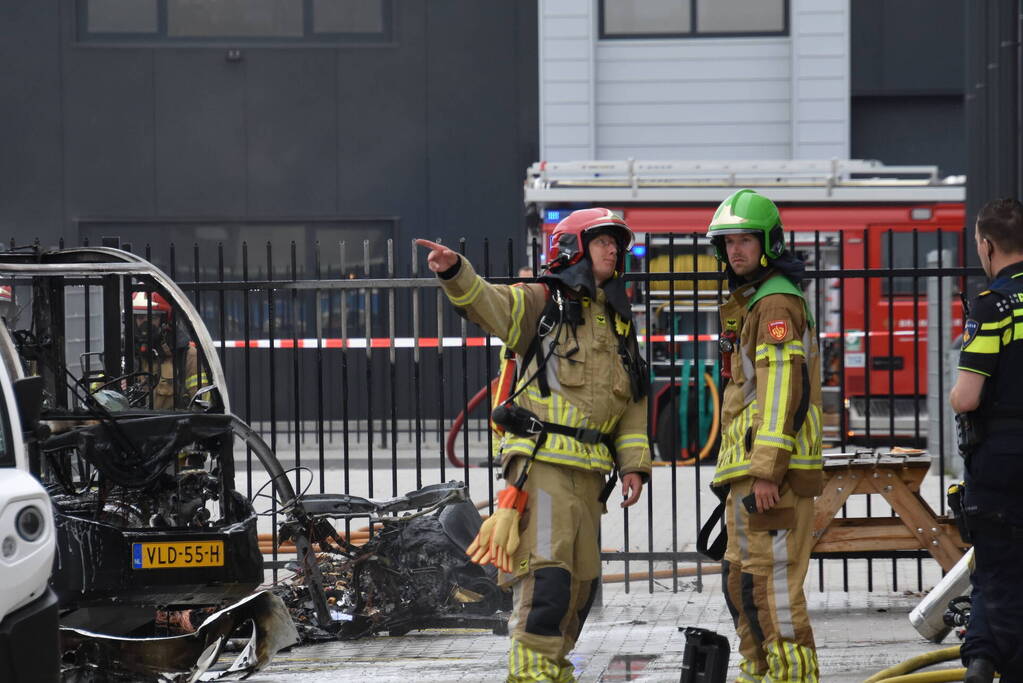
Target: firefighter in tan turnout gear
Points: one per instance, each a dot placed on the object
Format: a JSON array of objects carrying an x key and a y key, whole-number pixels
[
  {"x": 172, "y": 366},
  {"x": 578, "y": 412},
  {"x": 770, "y": 450}
]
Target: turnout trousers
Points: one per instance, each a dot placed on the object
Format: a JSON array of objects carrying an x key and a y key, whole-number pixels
[
  {"x": 762, "y": 578},
  {"x": 995, "y": 631},
  {"x": 556, "y": 569}
]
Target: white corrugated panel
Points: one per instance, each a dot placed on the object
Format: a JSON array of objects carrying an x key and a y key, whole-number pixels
[{"x": 694, "y": 98}]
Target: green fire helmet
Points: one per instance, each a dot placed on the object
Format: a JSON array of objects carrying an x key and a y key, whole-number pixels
[{"x": 746, "y": 211}]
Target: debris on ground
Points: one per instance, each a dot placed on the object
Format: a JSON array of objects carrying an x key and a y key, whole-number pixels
[{"x": 412, "y": 573}]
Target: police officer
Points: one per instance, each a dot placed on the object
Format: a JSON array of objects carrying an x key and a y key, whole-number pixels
[
  {"x": 988, "y": 390},
  {"x": 582, "y": 381},
  {"x": 770, "y": 454}
]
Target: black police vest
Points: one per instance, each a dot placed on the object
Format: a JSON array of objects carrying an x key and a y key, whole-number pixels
[{"x": 1002, "y": 400}]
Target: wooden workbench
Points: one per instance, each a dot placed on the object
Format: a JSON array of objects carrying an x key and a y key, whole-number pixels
[{"x": 896, "y": 476}]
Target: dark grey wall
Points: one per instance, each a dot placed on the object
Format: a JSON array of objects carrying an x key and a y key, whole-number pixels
[
  {"x": 908, "y": 68},
  {"x": 435, "y": 131}
]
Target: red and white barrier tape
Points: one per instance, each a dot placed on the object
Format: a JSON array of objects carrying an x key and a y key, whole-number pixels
[{"x": 457, "y": 342}]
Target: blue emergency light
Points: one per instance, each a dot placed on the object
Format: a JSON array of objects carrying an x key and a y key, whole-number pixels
[{"x": 639, "y": 250}]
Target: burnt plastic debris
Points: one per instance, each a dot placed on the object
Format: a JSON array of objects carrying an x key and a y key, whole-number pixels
[
  {"x": 705, "y": 659},
  {"x": 412, "y": 573},
  {"x": 97, "y": 658}
]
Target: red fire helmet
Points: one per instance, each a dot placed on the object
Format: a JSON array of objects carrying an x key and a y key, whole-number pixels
[
  {"x": 140, "y": 304},
  {"x": 568, "y": 241}
]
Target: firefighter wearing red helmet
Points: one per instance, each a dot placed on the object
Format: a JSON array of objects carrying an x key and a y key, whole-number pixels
[
  {"x": 769, "y": 462},
  {"x": 578, "y": 413},
  {"x": 158, "y": 352}
]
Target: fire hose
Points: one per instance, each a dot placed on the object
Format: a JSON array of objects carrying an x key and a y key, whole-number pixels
[
  {"x": 902, "y": 672},
  {"x": 481, "y": 395},
  {"x": 715, "y": 425},
  {"x": 456, "y": 426}
]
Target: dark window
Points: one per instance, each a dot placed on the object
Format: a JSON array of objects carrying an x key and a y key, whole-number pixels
[
  {"x": 902, "y": 247},
  {"x": 235, "y": 18},
  {"x": 122, "y": 16},
  {"x": 692, "y": 18},
  {"x": 235, "y": 22}
]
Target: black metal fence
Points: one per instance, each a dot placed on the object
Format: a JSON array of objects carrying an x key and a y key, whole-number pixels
[{"x": 357, "y": 375}]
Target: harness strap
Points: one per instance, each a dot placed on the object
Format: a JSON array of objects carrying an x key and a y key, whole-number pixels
[{"x": 715, "y": 550}]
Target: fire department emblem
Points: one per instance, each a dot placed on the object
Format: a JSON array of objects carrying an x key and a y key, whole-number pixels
[
  {"x": 969, "y": 331},
  {"x": 778, "y": 329}
]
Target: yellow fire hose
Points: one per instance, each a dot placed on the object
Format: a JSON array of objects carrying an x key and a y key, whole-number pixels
[{"x": 902, "y": 672}]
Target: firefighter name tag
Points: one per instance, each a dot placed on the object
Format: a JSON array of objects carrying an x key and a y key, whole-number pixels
[{"x": 177, "y": 554}]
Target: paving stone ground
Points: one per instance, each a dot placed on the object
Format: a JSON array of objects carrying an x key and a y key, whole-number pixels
[
  {"x": 632, "y": 636},
  {"x": 860, "y": 617}
]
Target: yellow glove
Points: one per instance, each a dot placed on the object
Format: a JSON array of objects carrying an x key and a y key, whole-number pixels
[{"x": 498, "y": 538}]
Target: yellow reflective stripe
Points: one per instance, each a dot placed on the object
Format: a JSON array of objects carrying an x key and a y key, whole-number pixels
[
  {"x": 777, "y": 398},
  {"x": 632, "y": 441},
  {"x": 559, "y": 450},
  {"x": 979, "y": 372},
  {"x": 998, "y": 324},
  {"x": 776, "y": 440},
  {"x": 790, "y": 348},
  {"x": 985, "y": 344},
  {"x": 734, "y": 461},
  {"x": 517, "y": 311},
  {"x": 726, "y": 473},
  {"x": 469, "y": 297}
]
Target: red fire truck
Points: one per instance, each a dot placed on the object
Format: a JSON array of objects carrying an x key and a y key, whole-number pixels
[{"x": 859, "y": 218}]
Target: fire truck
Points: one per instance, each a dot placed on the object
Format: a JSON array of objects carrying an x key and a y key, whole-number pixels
[{"x": 862, "y": 219}]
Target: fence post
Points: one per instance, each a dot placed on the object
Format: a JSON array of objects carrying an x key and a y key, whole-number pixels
[{"x": 939, "y": 326}]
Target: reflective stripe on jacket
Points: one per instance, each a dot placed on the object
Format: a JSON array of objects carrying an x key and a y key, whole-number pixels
[
  {"x": 771, "y": 412},
  {"x": 589, "y": 384}
]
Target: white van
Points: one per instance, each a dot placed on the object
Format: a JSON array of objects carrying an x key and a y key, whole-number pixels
[{"x": 29, "y": 630}]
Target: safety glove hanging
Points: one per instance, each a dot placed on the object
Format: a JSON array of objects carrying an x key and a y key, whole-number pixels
[{"x": 498, "y": 538}]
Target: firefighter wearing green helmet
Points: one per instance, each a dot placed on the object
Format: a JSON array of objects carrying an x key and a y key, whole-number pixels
[{"x": 769, "y": 461}]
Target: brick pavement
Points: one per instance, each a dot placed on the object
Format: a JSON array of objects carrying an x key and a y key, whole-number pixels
[{"x": 632, "y": 636}]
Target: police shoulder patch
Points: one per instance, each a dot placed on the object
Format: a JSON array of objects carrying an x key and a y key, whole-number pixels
[{"x": 970, "y": 331}]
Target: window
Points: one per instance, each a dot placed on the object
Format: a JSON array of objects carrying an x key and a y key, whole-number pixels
[
  {"x": 235, "y": 22},
  {"x": 693, "y": 18},
  {"x": 122, "y": 16},
  {"x": 235, "y": 18}
]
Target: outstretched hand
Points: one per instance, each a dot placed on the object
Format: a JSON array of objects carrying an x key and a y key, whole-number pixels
[{"x": 440, "y": 257}]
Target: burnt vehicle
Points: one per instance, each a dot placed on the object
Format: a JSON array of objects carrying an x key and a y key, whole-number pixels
[
  {"x": 128, "y": 427},
  {"x": 412, "y": 573}
]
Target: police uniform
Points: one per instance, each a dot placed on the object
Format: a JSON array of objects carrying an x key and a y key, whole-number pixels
[
  {"x": 993, "y": 347},
  {"x": 771, "y": 429},
  {"x": 557, "y": 565}
]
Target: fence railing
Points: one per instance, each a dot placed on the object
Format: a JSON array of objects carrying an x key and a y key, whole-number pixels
[{"x": 354, "y": 370}]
